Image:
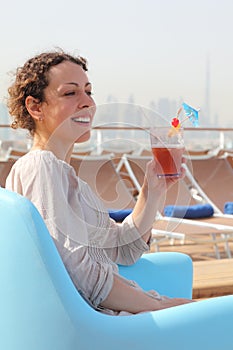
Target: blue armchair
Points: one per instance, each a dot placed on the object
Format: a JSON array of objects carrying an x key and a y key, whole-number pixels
[{"x": 42, "y": 310}]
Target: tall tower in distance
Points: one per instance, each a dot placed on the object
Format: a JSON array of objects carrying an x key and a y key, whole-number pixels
[{"x": 207, "y": 92}]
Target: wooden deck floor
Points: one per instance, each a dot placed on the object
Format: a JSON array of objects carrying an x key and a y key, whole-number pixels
[
  {"x": 197, "y": 251},
  {"x": 212, "y": 277}
]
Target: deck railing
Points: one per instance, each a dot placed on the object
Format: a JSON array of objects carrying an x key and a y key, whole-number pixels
[{"x": 223, "y": 135}]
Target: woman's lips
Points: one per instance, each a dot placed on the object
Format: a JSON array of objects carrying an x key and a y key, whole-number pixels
[{"x": 83, "y": 120}]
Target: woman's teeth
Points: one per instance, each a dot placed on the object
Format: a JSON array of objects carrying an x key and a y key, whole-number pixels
[{"x": 82, "y": 119}]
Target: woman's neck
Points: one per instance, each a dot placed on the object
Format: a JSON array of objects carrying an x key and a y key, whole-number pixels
[{"x": 59, "y": 149}]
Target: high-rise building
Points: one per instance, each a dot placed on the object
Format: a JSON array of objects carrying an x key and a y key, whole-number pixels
[{"x": 207, "y": 112}]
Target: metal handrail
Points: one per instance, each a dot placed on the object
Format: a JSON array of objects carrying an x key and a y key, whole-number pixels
[{"x": 118, "y": 126}]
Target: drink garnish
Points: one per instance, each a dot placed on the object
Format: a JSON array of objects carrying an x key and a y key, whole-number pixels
[
  {"x": 191, "y": 114},
  {"x": 175, "y": 123}
]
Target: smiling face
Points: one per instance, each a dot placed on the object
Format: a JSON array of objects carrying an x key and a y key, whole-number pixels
[{"x": 68, "y": 109}]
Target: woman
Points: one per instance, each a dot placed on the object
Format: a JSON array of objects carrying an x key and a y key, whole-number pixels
[{"x": 51, "y": 97}]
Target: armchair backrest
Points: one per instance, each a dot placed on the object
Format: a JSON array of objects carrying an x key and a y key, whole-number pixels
[{"x": 40, "y": 307}]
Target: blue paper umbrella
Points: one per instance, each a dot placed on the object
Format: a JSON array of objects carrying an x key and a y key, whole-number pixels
[{"x": 191, "y": 113}]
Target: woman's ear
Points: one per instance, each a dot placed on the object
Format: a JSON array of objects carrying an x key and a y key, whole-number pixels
[{"x": 33, "y": 106}]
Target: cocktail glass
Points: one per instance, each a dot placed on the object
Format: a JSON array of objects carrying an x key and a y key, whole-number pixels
[{"x": 167, "y": 147}]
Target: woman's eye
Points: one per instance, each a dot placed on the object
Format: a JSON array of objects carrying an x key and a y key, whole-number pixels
[
  {"x": 69, "y": 93},
  {"x": 72, "y": 93}
]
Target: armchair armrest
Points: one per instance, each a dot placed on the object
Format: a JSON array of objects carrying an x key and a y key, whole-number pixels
[{"x": 170, "y": 274}]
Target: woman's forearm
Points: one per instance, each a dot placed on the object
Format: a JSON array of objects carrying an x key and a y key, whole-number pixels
[
  {"x": 151, "y": 199},
  {"x": 124, "y": 297},
  {"x": 145, "y": 210}
]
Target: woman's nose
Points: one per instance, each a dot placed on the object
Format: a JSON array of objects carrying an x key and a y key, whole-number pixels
[{"x": 86, "y": 101}]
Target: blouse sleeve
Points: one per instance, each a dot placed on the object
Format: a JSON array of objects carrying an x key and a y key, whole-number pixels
[
  {"x": 121, "y": 241},
  {"x": 131, "y": 246},
  {"x": 42, "y": 180}
]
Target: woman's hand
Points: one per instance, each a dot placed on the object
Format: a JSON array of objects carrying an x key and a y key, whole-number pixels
[{"x": 153, "y": 182}]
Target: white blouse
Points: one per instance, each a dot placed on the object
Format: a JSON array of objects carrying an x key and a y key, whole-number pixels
[{"x": 90, "y": 243}]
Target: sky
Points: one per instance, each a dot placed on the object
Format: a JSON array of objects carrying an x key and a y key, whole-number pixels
[{"x": 137, "y": 50}]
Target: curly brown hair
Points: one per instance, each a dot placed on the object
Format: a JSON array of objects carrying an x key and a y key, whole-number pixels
[{"x": 31, "y": 80}]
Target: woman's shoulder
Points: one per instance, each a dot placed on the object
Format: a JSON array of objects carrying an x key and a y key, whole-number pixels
[
  {"x": 40, "y": 160},
  {"x": 46, "y": 163},
  {"x": 41, "y": 156}
]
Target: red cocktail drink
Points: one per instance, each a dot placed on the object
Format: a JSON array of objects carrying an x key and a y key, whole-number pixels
[
  {"x": 168, "y": 147},
  {"x": 170, "y": 159}
]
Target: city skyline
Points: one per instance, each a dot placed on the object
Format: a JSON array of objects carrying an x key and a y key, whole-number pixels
[
  {"x": 165, "y": 106},
  {"x": 168, "y": 107}
]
